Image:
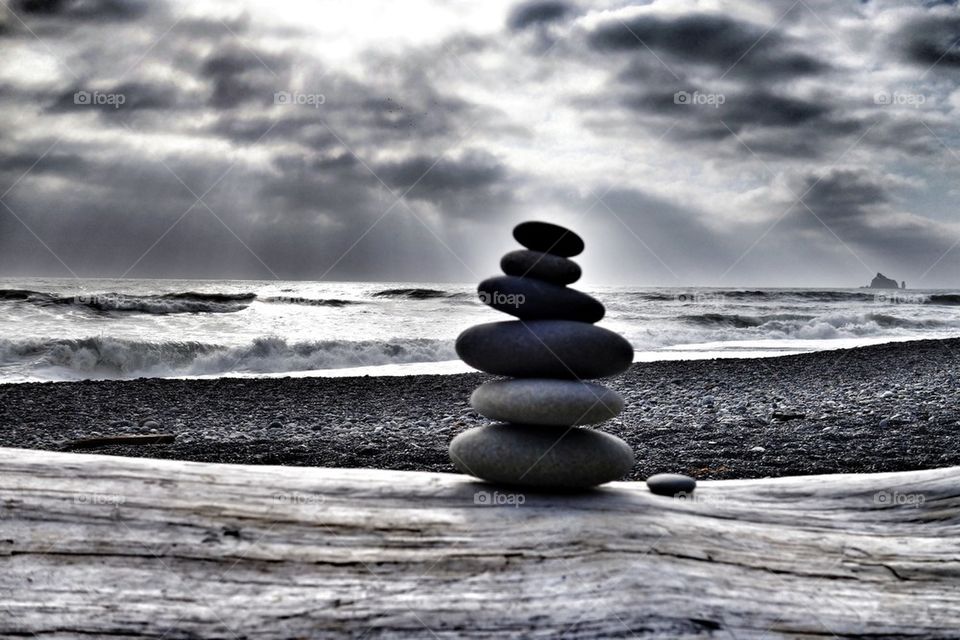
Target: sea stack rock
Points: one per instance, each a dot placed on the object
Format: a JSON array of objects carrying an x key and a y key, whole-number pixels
[
  {"x": 543, "y": 406},
  {"x": 883, "y": 282}
]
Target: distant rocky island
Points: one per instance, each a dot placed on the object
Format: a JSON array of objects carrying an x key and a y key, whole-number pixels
[{"x": 883, "y": 282}]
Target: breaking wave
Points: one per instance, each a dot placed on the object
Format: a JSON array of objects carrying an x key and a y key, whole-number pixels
[
  {"x": 944, "y": 298},
  {"x": 719, "y": 295},
  {"x": 311, "y": 302},
  {"x": 101, "y": 357},
  {"x": 160, "y": 304},
  {"x": 412, "y": 294},
  {"x": 811, "y": 327}
]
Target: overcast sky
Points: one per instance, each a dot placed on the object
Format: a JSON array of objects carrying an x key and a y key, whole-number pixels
[{"x": 776, "y": 142}]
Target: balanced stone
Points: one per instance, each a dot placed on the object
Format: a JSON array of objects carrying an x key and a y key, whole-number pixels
[
  {"x": 671, "y": 484},
  {"x": 539, "y": 265},
  {"x": 546, "y": 402},
  {"x": 544, "y": 349},
  {"x": 541, "y": 456},
  {"x": 530, "y": 299},
  {"x": 549, "y": 238}
]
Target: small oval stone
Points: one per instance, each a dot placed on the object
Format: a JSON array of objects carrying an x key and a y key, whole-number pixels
[
  {"x": 670, "y": 484},
  {"x": 548, "y": 238},
  {"x": 530, "y": 299},
  {"x": 541, "y": 456},
  {"x": 544, "y": 349},
  {"x": 542, "y": 266},
  {"x": 546, "y": 402}
]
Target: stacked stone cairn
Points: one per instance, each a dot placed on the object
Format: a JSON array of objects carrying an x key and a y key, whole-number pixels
[{"x": 546, "y": 353}]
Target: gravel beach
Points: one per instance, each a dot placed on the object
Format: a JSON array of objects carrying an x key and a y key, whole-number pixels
[{"x": 889, "y": 407}]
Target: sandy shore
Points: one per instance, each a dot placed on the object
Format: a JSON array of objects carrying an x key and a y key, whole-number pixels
[{"x": 883, "y": 408}]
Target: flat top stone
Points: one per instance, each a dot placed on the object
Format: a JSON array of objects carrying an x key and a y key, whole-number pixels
[{"x": 548, "y": 238}]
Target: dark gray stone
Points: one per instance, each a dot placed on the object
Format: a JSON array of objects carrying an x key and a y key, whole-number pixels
[
  {"x": 541, "y": 456},
  {"x": 542, "y": 266},
  {"x": 670, "y": 484},
  {"x": 549, "y": 238},
  {"x": 544, "y": 349},
  {"x": 546, "y": 402},
  {"x": 531, "y": 299}
]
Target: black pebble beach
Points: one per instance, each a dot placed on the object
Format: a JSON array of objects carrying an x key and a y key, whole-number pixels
[{"x": 889, "y": 407}]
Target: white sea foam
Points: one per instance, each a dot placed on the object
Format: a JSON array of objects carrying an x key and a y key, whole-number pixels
[{"x": 70, "y": 329}]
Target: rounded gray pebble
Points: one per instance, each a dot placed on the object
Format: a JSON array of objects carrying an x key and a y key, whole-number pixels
[
  {"x": 546, "y": 402},
  {"x": 670, "y": 484},
  {"x": 540, "y": 456}
]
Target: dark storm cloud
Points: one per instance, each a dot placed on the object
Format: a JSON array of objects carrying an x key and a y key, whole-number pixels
[
  {"x": 84, "y": 9},
  {"x": 300, "y": 183},
  {"x": 855, "y": 207},
  {"x": 466, "y": 186},
  {"x": 15, "y": 164},
  {"x": 843, "y": 194},
  {"x": 932, "y": 40},
  {"x": 126, "y": 96},
  {"x": 714, "y": 40},
  {"x": 425, "y": 175},
  {"x": 242, "y": 75},
  {"x": 755, "y": 107},
  {"x": 528, "y": 14}
]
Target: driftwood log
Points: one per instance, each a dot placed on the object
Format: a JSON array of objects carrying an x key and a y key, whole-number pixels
[{"x": 98, "y": 546}]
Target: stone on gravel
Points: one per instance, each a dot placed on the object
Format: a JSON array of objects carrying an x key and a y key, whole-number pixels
[
  {"x": 542, "y": 266},
  {"x": 544, "y": 349},
  {"x": 670, "y": 484},
  {"x": 541, "y": 456},
  {"x": 548, "y": 238},
  {"x": 546, "y": 402},
  {"x": 530, "y": 299}
]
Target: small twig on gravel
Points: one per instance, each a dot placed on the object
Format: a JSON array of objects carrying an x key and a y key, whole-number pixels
[
  {"x": 777, "y": 415},
  {"x": 89, "y": 443}
]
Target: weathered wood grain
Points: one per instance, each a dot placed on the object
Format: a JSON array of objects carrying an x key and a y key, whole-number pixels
[{"x": 97, "y": 546}]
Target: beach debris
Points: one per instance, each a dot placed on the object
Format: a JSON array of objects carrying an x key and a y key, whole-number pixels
[
  {"x": 102, "y": 441},
  {"x": 671, "y": 484},
  {"x": 787, "y": 415},
  {"x": 547, "y": 354}
]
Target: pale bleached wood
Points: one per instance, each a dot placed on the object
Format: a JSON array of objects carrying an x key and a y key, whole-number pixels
[{"x": 98, "y": 546}]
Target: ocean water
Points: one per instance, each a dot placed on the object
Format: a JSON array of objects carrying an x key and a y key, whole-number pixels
[{"x": 67, "y": 329}]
